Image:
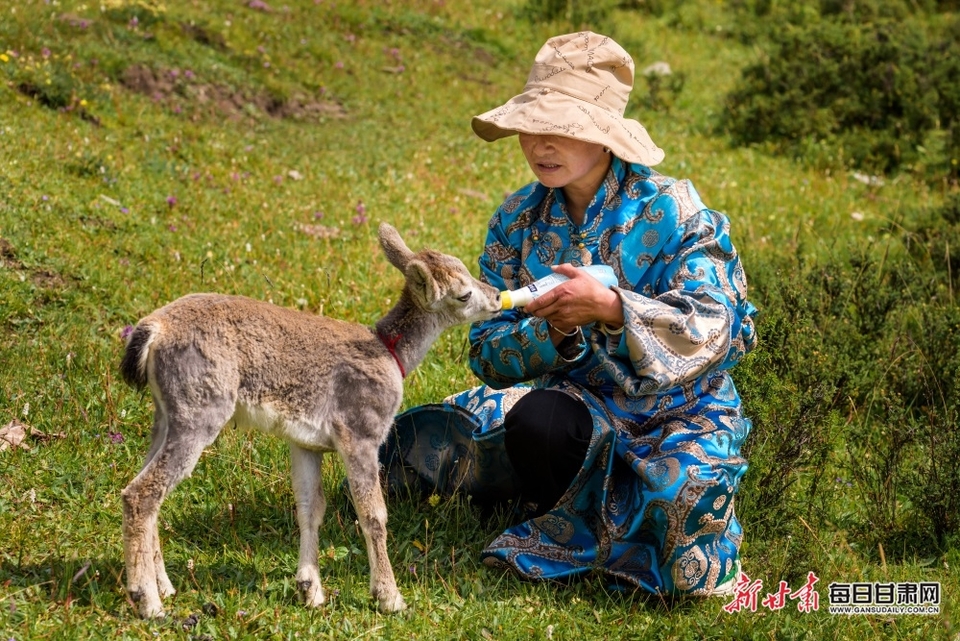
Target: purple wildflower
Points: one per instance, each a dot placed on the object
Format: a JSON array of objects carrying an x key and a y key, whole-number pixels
[
  {"x": 278, "y": 179},
  {"x": 338, "y": 65},
  {"x": 126, "y": 331},
  {"x": 124, "y": 210},
  {"x": 45, "y": 52},
  {"x": 361, "y": 208},
  {"x": 172, "y": 201},
  {"x": 133, "y": 22},
  {"x": 116, "y": 438},
  {"x": 172, "y": 228},
  {"x": 317, "y": 215}
]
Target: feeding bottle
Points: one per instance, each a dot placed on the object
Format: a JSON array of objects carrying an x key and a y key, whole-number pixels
[{"x": 525, "y": 295}]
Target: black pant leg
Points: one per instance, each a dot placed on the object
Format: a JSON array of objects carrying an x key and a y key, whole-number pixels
[{"x": 547, "y": 433}]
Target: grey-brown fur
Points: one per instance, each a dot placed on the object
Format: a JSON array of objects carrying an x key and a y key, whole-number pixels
[{"x": 321, "y": 384}]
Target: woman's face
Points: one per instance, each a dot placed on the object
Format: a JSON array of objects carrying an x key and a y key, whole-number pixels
[{"x": 561, "y": 162}]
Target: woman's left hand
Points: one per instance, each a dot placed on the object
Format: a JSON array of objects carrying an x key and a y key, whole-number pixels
[{"x": 582, "y": 300}]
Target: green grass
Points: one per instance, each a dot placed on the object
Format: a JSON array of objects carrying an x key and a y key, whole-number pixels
[{"x": 87, "y": 166}]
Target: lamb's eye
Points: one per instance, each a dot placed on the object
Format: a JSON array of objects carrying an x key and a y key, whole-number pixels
[{"x": 465, "y": 297}]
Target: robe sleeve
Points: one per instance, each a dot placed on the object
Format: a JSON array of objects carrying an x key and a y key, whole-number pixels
[{"x": 697, "y": 319}]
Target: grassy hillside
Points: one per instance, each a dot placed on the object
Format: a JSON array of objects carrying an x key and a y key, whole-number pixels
[{"x": 149, "y": 150}]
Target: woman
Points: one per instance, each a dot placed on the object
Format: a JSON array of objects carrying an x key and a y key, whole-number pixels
[{"x": 610, "y": 410}]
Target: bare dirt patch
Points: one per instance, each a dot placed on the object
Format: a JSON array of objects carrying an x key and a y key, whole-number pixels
[
  {"x": 40, "y": 277},
  {"x": 184, "y": 92}
]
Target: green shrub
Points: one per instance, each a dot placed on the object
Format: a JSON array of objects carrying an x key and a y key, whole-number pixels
[
  {"x": 859, "y": 365},
  {"x": 878, "y": 95}
]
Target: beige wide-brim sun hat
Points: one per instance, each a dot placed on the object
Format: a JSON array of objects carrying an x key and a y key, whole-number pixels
[{"x": 578, "y": 88}]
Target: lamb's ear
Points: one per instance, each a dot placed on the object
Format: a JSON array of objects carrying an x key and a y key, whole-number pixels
[
  {"x": 393, "y": 246},
  {"x": 422, "y": 284}
]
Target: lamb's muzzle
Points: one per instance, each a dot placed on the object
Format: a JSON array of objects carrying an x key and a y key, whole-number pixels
[{"x": 320, "y": 384}]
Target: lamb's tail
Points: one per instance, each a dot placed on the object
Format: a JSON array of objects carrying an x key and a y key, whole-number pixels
[{"x": 133, "y": 367}]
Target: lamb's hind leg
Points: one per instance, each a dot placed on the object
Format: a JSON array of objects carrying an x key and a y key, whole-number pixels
[
  {"x": 360, "y": 459},
  {"x": 158, "y": 437},
  {"x": 173, "y": 461},
  {"x": 311, "y": 505}
]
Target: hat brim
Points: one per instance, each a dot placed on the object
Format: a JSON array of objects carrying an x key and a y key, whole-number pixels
[{"x": 541, "y": 111}]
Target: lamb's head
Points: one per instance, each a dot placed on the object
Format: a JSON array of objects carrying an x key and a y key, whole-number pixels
[{"x": 439, "y": 283}]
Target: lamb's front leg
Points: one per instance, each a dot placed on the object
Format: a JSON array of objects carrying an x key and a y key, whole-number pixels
[
  {"x": 363, "y": 473},
  {"x": 311, "y": 504}
]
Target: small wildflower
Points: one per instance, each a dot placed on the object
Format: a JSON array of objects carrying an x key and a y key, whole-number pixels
[
  {"x": 317, "y": 215},
  {"x": 434, "y": 500},
  {"x": 126, "y": 331},
  {"x": 4, "y": 57},
  {"x": 133, "y": 22},
  {"x": 173, "y": 228},
  {"x": 124, "y": 210},
  {"x": 338, "y": 65},
  {"x": 361, "y": 216},
  {"x": 44, "y": 198},
  {"x": 45, "y": 52},
  {"x": 172, "y": 201},
  {"x": 26, "y": 410},
  {"x": 116, "y": 438},
  {"x": 278, "y": 179},
  {"x": 189, "y": 75}
]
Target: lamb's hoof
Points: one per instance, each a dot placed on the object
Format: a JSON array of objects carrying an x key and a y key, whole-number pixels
[
  {"x": 391, "y": 603},
  {"x": 312, "y": 594},
  {"x": 150, "y": 610}
]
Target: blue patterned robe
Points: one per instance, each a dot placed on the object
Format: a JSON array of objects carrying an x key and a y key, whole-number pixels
[{"x": 654, "y": 500}]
